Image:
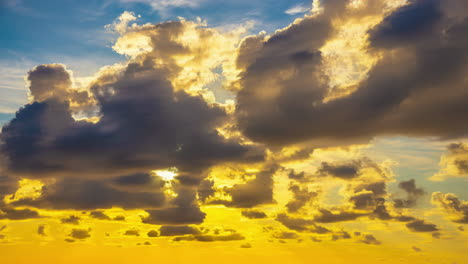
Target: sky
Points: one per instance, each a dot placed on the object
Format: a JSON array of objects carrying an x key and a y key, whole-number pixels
[{"x": 238, "y": 131}]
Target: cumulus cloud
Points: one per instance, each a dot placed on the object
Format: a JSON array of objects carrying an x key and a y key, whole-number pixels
[
  {"x": 282, "y": 99},
  {"x": 152, "y": 233},
  {"x": 456, "y": 209},
  {"x": 454, "y": 163}
]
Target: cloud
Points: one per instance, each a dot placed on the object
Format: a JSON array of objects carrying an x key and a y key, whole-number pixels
[
  {"x": 416, "y": 249},
  {"x": 413, "y": 194},
  {"x": 301, "y": 197},
  {"x": 253, "y": 214},
  {"x": 41, "y": 230},
  {"x": 152, "y": 233},
  {"x": 370, "y": 240},
  {"x": 286, "y": 235},
  {"x": 327, "y": 216},
  {"x": 80, "y": 233},
  {"x": 345, "y": 171},
  {"x": 254, "y": 192},
  {"x": 178, "y": 230},
  {"x": 88, "y": 195},
  {"x": 211, "y": 238},
  {"x": 297, "y": 9},
  {"x": 132, "y": 232},
  {"x": 421, "y": 226},
  {"x": 456, "y": 209},
  {"x": 283, "y": 95},
  {"x": 182, "y": 210},
  {"x": 18, "y": 214},
  {"x": 246, "y": 245},
  {"x": 301, "y": 224},
  {"x": 454, "y": 163},
  {"x": 72, "y": 219},
  {"x": 99, "y": 215}
]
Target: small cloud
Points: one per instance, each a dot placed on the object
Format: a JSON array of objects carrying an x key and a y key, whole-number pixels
[
  {"x": 297, "y": 9},
  {"x": 246, "y": 245},
  {"x": 416, "y": 249},
  {"x": 41, "y": 230},
  {"x": 253, "y": 214},
  {"x": 152, "y": 233},
  {"x": 72, "y": 220},
  {"x": 80, "y": 233},
  {"x": 132, "y": 232},
  {"x": 99, "y": 215}
]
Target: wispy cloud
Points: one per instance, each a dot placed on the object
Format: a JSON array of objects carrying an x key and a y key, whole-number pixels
[{"x": 297, "y": 9}]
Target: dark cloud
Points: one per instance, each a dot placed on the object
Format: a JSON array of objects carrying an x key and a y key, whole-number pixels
[
  {"x": 182, "y": 210},
  {"x": 253, "y": 214},
  {"x": 410, "y": 23},
  {"x": 72, "y": 219},
  {"x": 301, "y": 225},
  {"x": 54, "y": 81},
  {"x": 138, "y": 182},
  {"x": 178, "y": 230},
  {"x": 8, "y": 184},
  {"x": 41, "y": 230},
  {"x": 80, "y": 233},
  {"x": 206, "y": 190},
  {"x": 254, "y": 192},
  {"x": 246, "y": 245},
  {"x": 90, "y": 194},
  {"x": 144, "y": 125},
  {"x": 421, "y": 226},
  {"x": 340, "y": 235},
  {"x": 456, "y": 209},
  {"x": 327, "y": 216},
  {"x": 417, "y": 88},
  {"x": 119, "y": 218},
  {"x": 99, "y": 215},
  {"x": 345, "y": 171},
  {"x": 152, "y": 233},
  {"x": 132, "y": 232},
  {"x": 18, "y": 214},
  {"x": 285, "y": 235},
  {"x": 370, "y": 239},
  {"x": 211, "y": 238},
  {"x": 301, "y": 197},
  {"x": 299, "y": 176},
  {"x": 415, "y": 248},
  {"x": 413, "y": 194}
]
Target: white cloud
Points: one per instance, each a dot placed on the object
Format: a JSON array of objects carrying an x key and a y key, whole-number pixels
[{"x": 297, "y": 9}]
